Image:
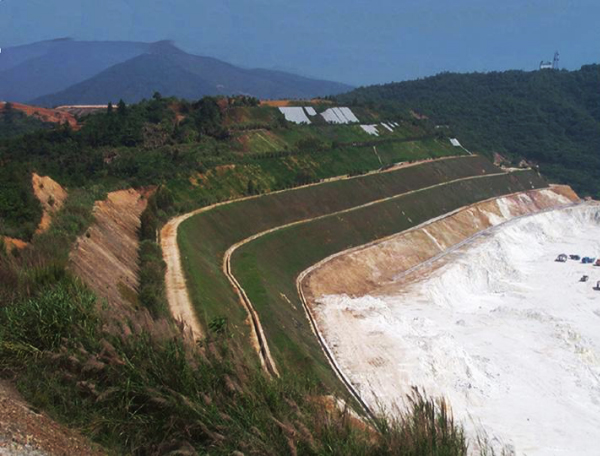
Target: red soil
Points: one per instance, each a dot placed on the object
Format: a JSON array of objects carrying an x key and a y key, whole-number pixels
[{"x": 45, "y": 115}]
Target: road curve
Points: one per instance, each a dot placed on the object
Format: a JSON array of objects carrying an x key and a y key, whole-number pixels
[
  {"x": 258, "y": 335},
  {"x": 304, "y": 274},
  {"x": 177, "y": 294},
  {"x": 180, "y": 304}
]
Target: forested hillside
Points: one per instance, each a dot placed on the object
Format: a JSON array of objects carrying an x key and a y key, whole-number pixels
[{"x": 549, "y": 117}]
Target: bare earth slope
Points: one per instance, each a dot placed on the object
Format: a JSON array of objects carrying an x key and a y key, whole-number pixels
[
  {"x": 106, "y": 256},
  {"x": 359, "y": 271},
  {"x": 24, "y": 431},
  {"x": 51, "y": 196},
  {"x": 44, "y": 114}
]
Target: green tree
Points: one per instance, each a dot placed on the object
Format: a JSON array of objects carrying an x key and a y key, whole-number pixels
[
  {"x": 122, "y": 108},
  {"x": 9, "y": 113}
]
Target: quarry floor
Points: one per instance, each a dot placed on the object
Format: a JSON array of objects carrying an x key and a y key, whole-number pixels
[{"x": 506, "y": 334}]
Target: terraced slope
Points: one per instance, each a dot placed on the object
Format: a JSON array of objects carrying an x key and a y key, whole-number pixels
[
  {"x": 204, "y": 239},
  {"x": 267, "y": 267}
]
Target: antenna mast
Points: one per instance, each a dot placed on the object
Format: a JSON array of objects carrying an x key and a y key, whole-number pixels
[{"x": 556, "y": 59}]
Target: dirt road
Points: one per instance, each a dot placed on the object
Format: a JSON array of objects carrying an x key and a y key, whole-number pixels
[
  {"x": 177, "y": 294},
  {"x": 179, "y": 300}
]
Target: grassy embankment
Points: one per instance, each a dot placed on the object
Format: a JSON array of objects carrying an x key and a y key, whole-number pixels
[
  {"x": 290, "y": 168},
  {"x": 204, "y": 152},
  {"x": 137, "y": 388},
  {"x": 267, "y": 267},
  {"x": 204, "y": 239},
  {"x": 134, "y": 385}
]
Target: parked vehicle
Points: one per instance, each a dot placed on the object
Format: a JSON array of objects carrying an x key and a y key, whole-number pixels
[
  {"x": 584, "y": 278},
  {"x": 575, "y": 257},
  {"x": 597, "y": 287},
  {"x": 562, "y": 258},
  {"x": 597, "y": 263},
  {"x": 588, "y": 260}
]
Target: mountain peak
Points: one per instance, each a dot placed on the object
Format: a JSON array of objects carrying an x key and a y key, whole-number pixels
[
  {"x": 164, "y": 47},
  {"x": 95, "y": 72}
]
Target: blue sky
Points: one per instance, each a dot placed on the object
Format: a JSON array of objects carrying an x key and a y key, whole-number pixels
[{"x": 358, "y": 42}]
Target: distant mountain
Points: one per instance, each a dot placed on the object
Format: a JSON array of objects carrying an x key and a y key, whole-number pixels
[
  {"x": 549, "y": 117},
  {"x": 65, "y": 71},
  {"x": 33, "y": 70}
]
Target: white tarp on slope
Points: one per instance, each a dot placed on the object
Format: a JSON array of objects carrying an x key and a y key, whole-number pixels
[
  {"x": 509, "y": 336},
  {"x": 310, "y": 111},
  {"x": 455, "y": 142},
  {"x": 334, "y": 115},
  {"x": 349, "y": 115},
  {"x": 387, "y": 126},
  {"x": 371, "y": 129},
  {"x": 339, "y": 116},
  {"x": 295, "y": 115}
]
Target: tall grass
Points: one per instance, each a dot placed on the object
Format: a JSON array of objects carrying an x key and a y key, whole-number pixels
[
  {"x": 24, "y": 273},
  {"x": 138, "y": 394}
]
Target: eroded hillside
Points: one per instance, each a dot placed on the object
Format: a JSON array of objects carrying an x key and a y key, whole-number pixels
[{"x": 106, "y": 256}]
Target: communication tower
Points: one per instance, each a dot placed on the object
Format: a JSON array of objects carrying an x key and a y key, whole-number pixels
[{"x": 555, "y": 62}]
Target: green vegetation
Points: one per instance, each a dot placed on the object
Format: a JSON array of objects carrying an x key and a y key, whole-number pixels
[
  {"x": 145, "y": 395},
  {"x": 152, "y": 293},
  {"x": 136, "y": 384},
  {"x": 20, "y": 211},
  {"x": 205, "y": 151},
  {"x": 15, "y": 123},
  {"x": 267, "y": 267},
  {"x": 549, "y": 117},
  {"x": 138, "y": 387}
]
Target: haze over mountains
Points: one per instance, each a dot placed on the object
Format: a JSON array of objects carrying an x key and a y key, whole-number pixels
[{"x": 66, "y": 71}]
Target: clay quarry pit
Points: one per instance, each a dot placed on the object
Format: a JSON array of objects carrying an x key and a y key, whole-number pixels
[{"x": 473, "y": 307}]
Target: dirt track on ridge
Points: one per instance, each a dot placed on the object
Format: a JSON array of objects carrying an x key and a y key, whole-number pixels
[{"x": 178, "y": 298}]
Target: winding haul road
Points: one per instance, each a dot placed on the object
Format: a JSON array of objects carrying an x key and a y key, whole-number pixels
[{"x": 181, "y": 305}]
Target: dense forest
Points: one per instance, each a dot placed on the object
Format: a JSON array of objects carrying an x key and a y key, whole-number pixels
[{"x": 549, "y": 117}]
